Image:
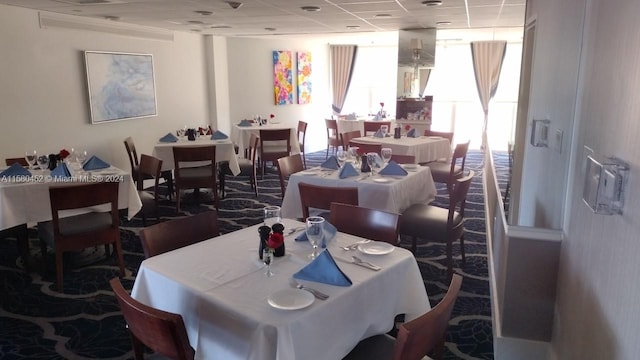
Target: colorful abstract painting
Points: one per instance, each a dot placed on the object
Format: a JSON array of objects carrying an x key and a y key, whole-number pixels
[
  {"x": 282, "y": 77},
  {"x": 304, "y": 77}
]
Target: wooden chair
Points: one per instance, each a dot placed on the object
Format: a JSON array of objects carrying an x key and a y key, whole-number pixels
[
  {"x": 274, "y": 144},
  {"x": 447, "y": 172},
  {"x": 439, "y": 224},
  {"x": 302, "y": 131},
  {"x": 373, "y": 126},
  {"x": 333, "y": 136},
  {"x": 174, "y": 234},
  {"x": 286, "y": 166},
  {"x": 161, "y": 331},
  {"x": 149, "y": 168},
  {"x": 416, "y": 338},
  {"x": 21, "y": 161},
  {"x": 321, "y": 197},
  {"x": 248, "y": 167},
  {"x": 346, "y": 137},
  {"x": 365, "y": 148},
  {"x": 195, "y": 177},
  {"x": 403, "y": 159},
  {"x": 81, "y": 231},
  {"x": 368, "y": 223},
  {"x": 134, "y": 162}
]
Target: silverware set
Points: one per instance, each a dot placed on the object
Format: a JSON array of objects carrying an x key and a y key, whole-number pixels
[
  {"x": 354, "y": 245},
  {"x": 318, "y": 294}
]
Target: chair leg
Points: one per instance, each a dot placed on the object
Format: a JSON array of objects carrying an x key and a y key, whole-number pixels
[
  {"x": 118, "y": 247},
  {"x": 222, "y": 184},
  {"x": 138, "y": 347}
]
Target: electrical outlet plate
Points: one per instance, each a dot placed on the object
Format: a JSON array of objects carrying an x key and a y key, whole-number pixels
[
  {"x": 604, "y": 183},
  {"x": 540, "y": 133}
]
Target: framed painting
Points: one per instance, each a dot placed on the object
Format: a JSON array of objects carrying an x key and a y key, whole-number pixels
[
  {"x": 121, "y": 86},
  {"x": 304, "y": 77},
  {"x": 282, "y": 77}
]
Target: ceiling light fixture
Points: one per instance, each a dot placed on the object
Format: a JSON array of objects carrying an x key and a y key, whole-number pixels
[
  {"x": 112, "y": 17},
  {"x": 220, "y": 27},
  {"x": 353, "y": 27},
  {"x": 310, "y": 8},
  {"x": 382, "y": 15},
  {"x": 203, "y": 12},
  {"x": 270, "y": 29},
  {"x": 443, "y": 23},
  {"x": 195, "y": 22},
  {"x": 234, "y": 4},
  {"x": 432, "y": 3}
]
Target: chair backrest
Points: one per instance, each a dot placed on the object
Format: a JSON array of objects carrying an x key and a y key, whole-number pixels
[
  {"x": 321, "y": 197},
  {"x": 332, "y": 128},
  {"x": 302, "y": 131},
  {"x": 131, "y": 151},
  {"x": 20, "y": 161},
  {"x": 443, "y": 134},
  {"x": 194, "y": 153},
  {"x": 173, "y": 234},
  {"x": 161, "y": 331},
  {"x": 459, "y": 154},
  {"x": 348, "y": 136},
  {"x": 364, "y": 148},
  {"x": 373, "y": 126},
  {"x": 149, "y": 167},
  {"x": 368, "y": 223},
  {"x": 254, "y": 143},
  {"x": 420, "y": 336},
  {"x": 458, "y": 195},
  {"x": 403, "y": 159},
  {"x": 267, "y": 145},
  {"x": 288, "y": 165}
]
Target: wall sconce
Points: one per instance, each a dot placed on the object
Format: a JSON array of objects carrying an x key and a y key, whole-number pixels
[
  {"x": 416, "y": 47},
  {"x": 604, "y": 184},
  {"x": 540, "y": 133}
]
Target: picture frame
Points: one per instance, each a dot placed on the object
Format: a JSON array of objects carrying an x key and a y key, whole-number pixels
[{"x": 121, "y": 86}]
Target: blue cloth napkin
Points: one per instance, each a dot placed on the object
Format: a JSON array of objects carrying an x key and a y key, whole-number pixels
[
  {"x": 244, "y": 122},
  {"x": 169, "y": 138},
  {"x": 393, "y": 169},
  {"x": 347, "y": 171},
  {"x": 331, "y": 163},
  {"x": 378, "y": 134},
  {"x": 412, "y": 133},
  {"x": 219, "y": 135},
  {"x": 95, "y": 163},
  {"x": 61, "y": 171},
  {"x": 15, "y": 170},
  {"x": 323, "y": 269},
  {"x": 329, "y": 232}
]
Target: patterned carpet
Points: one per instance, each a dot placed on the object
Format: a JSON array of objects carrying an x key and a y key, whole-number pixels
[{"x": 36, "y": 322}]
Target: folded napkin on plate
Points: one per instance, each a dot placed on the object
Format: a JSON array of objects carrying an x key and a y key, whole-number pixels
[
  {"x": 219, "y": 135},
  {"x": 95, "y": 163},
  {"x": 378, "y": 134},
  {"x": 244, "y": 122},
  {"x": 61, "y": 171},
  {"x": 169, "y": 138},
  {"x": 413, "y": 133},
  {"x": 331, "y": 163},
  {"x": 323, "y": 269},
  {"x": 329, "y": 232},
  {"x": 393, "y": 169},
  {"x": 347, "y": 171},
  {"x": 15, "y": 170}
]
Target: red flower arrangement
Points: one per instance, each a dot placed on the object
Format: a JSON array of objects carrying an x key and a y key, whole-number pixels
[
  {"x": 407, "y": 127},
  {"x": 63, "y": 154},
  {"x": 381, "y": 104},
  {"x": 271, "y": 116},
  {"x": 275, "y": 240}
]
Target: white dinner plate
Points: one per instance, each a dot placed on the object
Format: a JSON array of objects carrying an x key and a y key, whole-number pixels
[
  {"x": 410, "y": 166},
  {"x": 382, "y": 180},
  {"x": 290, "y": 299},
  {"x": 376, "y": 248}
]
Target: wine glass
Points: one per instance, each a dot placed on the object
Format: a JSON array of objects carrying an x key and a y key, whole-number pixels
[
  {"x": 272, "y": 215},
  {"x": 81, "y": 157},
  {"x": 386, "y": 154},
  {"x": 353, "y": 151},
  {"x": 43, "y": 162},
  {"x": 315, "y": 232},
  {"x": 384, "y": 129},
  {"x": 341, "y": 156},
  {"x": 371, "y": 160},
  {"x": 30, "y": 156}
]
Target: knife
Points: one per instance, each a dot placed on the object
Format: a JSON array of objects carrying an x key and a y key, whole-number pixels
[{"x": 364, "y": 264}]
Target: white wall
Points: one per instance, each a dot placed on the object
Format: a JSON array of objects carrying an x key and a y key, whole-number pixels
[
  {"x": 597, "y": 312},
  {"x": 43, "y": 95}
]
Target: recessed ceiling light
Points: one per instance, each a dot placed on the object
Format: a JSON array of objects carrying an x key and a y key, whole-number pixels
[
  {"x": 353, "y": 26},
  {"x": 310, "y": 8},
  {"x": 203, "y": 12},
  {"x": 234, "y": 4},
  {"x": 112, "y": 17},
  {"x": 195, "y": 22},
  {"x": 443, "y": 23},
  {"x": 382, "y": 15},
  {"x": 196, "y": 30},
  {"x": 270, "y": 29},
  {"x": 220, "y": 27},
  {"x": 432, "y": 3}
]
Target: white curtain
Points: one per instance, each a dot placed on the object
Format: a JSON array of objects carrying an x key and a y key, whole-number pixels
[
  {"x": 487, "y": 59},
  {"x": 343, "y": 59}
]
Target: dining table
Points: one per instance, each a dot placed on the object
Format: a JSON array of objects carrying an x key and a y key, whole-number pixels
[
  {"x": 233, "y": 310},
  {"x": 424, "y": 148},
  {"x": 25, "y": 199},
  {"x": 389, "y": 193},
  {"x": 345, "y": 125},
  {"x": 241, "y": 135},
  {"x": 225, "y": 151}
]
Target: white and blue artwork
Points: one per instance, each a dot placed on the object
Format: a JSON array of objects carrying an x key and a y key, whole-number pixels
[{"x": 121, "y": 86}]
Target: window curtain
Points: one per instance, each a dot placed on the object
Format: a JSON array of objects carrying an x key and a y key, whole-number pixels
[
  {"x": 343, "y": 58},
  {"x": 487, "y": 59}
]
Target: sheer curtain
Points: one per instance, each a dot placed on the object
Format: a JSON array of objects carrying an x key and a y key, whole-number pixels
[
  {"x": 487, "y": 59},
  {"x": 343, "y": 58}
]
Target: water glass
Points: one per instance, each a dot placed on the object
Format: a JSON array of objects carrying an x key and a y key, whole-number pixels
[
  {"x": 267, "y": 259},
  {"x": 315, "y": 232},
  {"x": 384, "y": 129},
  {"x": 386, "y": 154},
  {"x": 353, "y": 152},
  {"x": 341, "y": 155},
  {"x": 272, "y": 215},
  {"x": 31, "y": 156},
  {"x": 371, "y": 160},
  {"x": 43, "y": 162}
]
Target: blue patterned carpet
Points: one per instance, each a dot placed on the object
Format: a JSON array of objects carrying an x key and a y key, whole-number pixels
[{"x": 36, "y": 322}]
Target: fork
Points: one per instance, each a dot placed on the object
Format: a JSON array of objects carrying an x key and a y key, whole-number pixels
[{"x": 318, "y": 294}]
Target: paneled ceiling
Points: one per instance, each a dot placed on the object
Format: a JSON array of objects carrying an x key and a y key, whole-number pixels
[{"x": 283, "y": 17}]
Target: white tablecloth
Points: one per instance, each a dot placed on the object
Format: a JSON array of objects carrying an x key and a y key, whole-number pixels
[
  {"x": 28, "y": 202},
  {"x": 224, "y": 152},
  {"x": 241, "y": 135},
  {"x": 220, "y": 289},
  {"x": 424, "y": 148},
  {"x": 395, "y": 196},
  {"x": 352, "y": 125}
]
